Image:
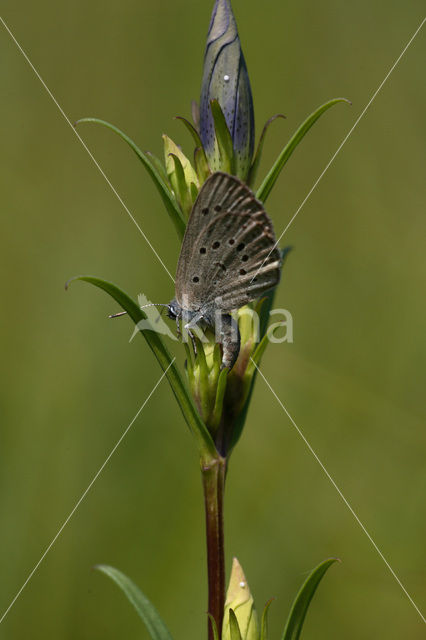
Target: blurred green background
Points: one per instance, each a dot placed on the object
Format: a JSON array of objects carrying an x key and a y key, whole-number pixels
[{"x": 354, "y": 379}]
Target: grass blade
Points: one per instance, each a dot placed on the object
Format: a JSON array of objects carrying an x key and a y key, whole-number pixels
[
  {"x": 264, "y": 623},
  {"x": 196, "y": 425},
  {"x": 164, "y": 190},
  {"x": 258, "y": 154},
  {"x": 266, "y": 186},
  {"x": 146, "y": 610},
  {"x": 303, "y": 599}
]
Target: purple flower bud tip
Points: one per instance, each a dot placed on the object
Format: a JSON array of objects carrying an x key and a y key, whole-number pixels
[{"x": 226, "y": 80}]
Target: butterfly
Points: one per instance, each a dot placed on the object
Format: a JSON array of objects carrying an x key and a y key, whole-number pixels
[{"x": 228, "y": 258}]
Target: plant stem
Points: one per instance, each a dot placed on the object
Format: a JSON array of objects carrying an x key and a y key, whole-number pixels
[{"x": 213, "y": 476}]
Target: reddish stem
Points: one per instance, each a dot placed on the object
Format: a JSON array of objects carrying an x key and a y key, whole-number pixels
[{"x": 214, "y": 486}]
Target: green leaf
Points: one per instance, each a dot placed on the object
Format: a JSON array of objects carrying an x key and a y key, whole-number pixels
[
  {"x": 266, "y": 186},
  {"x": 163, "y": 188},
  {"x": 257, "y": 156},
  {"x": 202, "y": 376},
  {"x": 257, "y": 355},
  {"x": 220, "y": 394},
  {"x": 303, "y": 599},
  {"x": 264, "y": 623},
  {"x": 233, "y": 626},
  {"x": 181, "y": 174},
  {"x": 214, "y": 627},
  {"x": 223, "y": 139},
  {"x": 178, "y": 181},
  {"x": 146, "y": 610},
  {"x": 193, "y": 190},
  {"x": 201, "y": 165},
  {"x": 196, "y": 425},
  {"x": 192, "y": 130},
  {"x": 171, "y": 149},
  {"x": 160, "y": 168}
]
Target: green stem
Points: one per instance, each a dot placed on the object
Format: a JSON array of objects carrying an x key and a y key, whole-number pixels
[{"x": 213, "y": 476}]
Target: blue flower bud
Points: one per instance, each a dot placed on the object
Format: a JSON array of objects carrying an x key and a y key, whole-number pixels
[{"x": 226, "y": 80}]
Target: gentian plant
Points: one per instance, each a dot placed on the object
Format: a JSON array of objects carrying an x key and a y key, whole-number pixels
[{"x": 215, "y": 401}]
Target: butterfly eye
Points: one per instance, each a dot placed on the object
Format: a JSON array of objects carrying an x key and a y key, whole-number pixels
[{"x": 216, "y": 245}]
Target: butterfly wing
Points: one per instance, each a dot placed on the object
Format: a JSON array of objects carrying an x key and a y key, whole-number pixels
[{"x": 228, "y": 255}]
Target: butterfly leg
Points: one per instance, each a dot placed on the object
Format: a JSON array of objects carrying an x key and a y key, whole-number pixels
[
  {"x": 194, "y": 342},
  {"x": 192, "y": 324},
  {"x": 178, "y": 331},
  {"x": 228, "y": 335}
]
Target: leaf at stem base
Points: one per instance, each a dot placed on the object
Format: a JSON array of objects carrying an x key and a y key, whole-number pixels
[
  {"x": 303, "y": 599},
  {"x": 144, "y": 607}
]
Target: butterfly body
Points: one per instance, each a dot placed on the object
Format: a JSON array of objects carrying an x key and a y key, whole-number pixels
[{"x": 228, "y": 259}]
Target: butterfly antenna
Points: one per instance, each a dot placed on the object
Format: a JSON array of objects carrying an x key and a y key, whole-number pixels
[{"x": 152, "y": 304}]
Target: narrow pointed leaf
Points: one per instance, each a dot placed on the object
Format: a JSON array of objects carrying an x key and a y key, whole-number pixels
[
  {"x": 257, "y": 355},
  {"x": 201, "y": 165},
  {"x": 171, "y": 149},
  {"x": 201, "y": 371},
  {"x": 266, "y": 186},
  {"x": 214, "y": 627},
  {"x": 193, "y": 190},
  {"x": 164, "y": 190},
  {"x": 146, "y": 610},
  {"x": 196, "y": 425},
  {"x": 264, "y": 623},
  {"x": 257, "y": 156},
  {"x": 234, "y": 629},
  {"x": 160, "y": 167},
  {"x": 223, "y": 139},
  {"x": 180, "y": 187},
  {"x": 220, "y": 394},
  {"x": 303, "y": 599},
  {"x": 192, "y": 130}
]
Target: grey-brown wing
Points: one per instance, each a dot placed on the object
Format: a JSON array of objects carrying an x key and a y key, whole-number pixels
[
  {"x": 220, "y": 193},
  {"x": 229, "y": 259},
  {"x": 244, "y": 266}
]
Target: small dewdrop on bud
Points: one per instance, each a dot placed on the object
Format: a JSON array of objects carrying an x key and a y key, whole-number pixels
[{"x": 226, "y": 80}]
